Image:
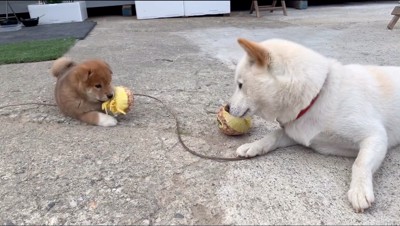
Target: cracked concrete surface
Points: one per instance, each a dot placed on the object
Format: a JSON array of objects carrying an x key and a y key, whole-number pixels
[{"x": 54, "y": 170}]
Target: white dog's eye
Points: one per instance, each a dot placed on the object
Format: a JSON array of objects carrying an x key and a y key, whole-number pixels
[{"x": 240, "y": 85}]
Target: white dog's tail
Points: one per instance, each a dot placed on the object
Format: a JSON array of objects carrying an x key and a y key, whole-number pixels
[{"x": 61, "y": 65}]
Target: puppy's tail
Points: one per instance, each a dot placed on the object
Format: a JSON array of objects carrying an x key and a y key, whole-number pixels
[{"x": 61, "y": 65}]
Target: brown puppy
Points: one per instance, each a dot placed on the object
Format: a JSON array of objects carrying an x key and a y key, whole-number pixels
[{"x": 81, "y": 88}]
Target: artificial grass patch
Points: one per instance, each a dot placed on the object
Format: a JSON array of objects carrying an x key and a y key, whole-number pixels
[{"x": 34, "y": 51}]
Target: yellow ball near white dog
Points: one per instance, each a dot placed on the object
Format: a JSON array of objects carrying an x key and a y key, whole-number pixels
[{"x": 231, "y": 125}]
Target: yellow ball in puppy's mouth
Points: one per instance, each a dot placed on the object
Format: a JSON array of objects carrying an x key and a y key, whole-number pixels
[
  {"x": 231, "y": 125},
  {"x": 121, "y": 103}
]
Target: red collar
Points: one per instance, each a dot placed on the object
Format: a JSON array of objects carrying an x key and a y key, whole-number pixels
[{"x": 302, "y": 112}]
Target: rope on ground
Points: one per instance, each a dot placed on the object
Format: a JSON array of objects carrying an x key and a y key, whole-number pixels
[
  {"x": 178, "y": 133},
  {"x": 177, "y": 128}
]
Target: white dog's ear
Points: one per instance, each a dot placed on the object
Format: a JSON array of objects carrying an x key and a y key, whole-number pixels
[{"x": 255, "y": 51}]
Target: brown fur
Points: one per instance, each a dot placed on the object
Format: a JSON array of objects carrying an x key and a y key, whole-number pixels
[
  {"x": 82, "y": 87},
  {"x": 384, "y": 82},
  {"x": 255, "y": 51}
]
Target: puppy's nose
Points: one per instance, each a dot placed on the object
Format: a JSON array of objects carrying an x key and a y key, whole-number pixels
[{"x": 109, "y": 96}]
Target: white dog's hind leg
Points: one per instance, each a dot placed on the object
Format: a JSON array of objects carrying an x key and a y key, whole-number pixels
[
  {"x": 372, "y": 152},
  {"x": 274, "y": 140}
]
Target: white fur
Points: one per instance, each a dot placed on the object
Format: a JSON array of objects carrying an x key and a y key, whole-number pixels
[
  {"x": 106, "y": 120},
  {"x": 356, "y": 113}
]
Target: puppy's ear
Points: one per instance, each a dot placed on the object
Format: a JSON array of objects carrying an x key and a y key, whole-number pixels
[
  {"x": 89, "y": 73},
  {"x": 255, "y": 51},
  {"x": 84, "y": 72}
]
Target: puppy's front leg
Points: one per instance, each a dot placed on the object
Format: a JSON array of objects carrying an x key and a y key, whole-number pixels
[
  {"x": 98, "y": 118},
  {"x": 274, "y": 140},
  {"x": 372, "y": 152}
]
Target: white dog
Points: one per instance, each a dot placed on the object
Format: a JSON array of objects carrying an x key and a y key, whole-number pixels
[{"x": 345, "y": 110}]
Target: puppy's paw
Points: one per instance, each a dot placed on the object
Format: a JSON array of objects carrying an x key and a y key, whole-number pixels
[
  {"x": 361, "y": 196},
  {"x": 106, "y": 120},
  {"x": 249, "y": 150}
]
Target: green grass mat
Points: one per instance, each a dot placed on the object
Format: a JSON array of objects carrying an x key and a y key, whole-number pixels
[{"x": 34, "y": 51}]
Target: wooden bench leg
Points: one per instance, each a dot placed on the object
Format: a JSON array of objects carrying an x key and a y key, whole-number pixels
[
  {"x": 393, "y": 22},
  {"x": 396, "y": 16},
  {"x": 256, "y": 8},
  {"x": 273, "y": 5},
  {"x": 283, "y": 3},
  {"x": 284, "y": 8}
]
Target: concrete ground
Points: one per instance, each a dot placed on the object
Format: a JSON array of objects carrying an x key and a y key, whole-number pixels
[{"x": 54, "y": 170}]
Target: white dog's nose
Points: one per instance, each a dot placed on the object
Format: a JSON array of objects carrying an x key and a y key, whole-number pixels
[
  {"x": 227, "y": 108},
  {"x": 233, "y": 111}
]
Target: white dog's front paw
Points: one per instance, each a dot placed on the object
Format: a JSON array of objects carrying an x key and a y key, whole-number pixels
[
  {"x": 249, "y": 150},
  {"x": 107, "y": 120},
  {"x": 361, "y": 196}
]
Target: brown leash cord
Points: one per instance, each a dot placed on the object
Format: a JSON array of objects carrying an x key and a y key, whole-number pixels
[
  {"x": 178, "y": 133},
  {"x": 177, "y": 126}
]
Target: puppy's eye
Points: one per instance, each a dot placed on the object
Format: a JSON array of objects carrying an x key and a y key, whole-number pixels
[
  {"x": 98, "y": 86},
  {"x": 240, "y": 85}
]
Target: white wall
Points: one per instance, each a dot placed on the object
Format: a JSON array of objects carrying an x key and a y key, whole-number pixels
[
  {"x": 93, "y": 4},
  {"x": 22, "y": 6}
]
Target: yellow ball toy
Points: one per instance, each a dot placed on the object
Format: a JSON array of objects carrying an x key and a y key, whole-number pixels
[
  {"x": 121, "y": 102},
  {"x": 231, "y": 125}
]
